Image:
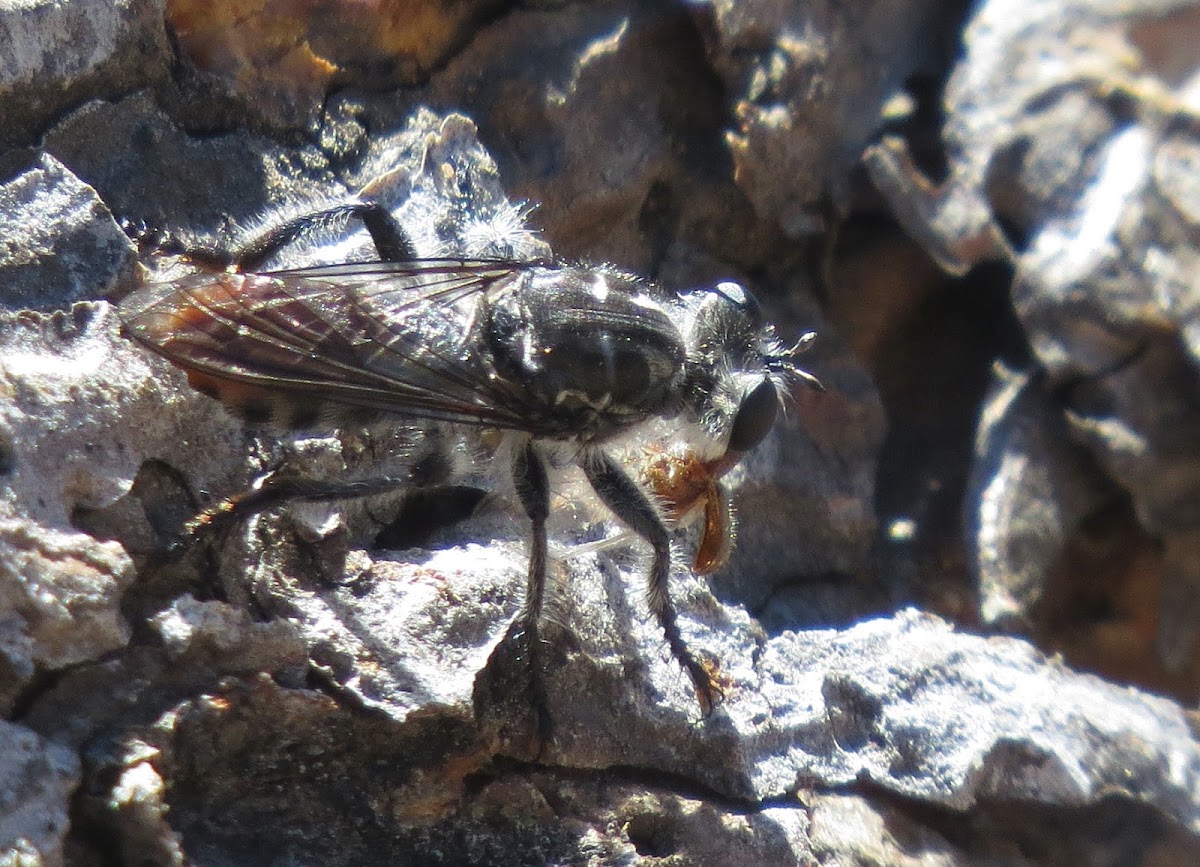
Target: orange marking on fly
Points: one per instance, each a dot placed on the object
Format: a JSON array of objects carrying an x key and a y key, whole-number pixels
[
  {"x": 678, "y": 479},
  {"x": 252, "y": 401},
  {"x": 220, "y": 292},
  {"x": 716, "y": 538},
  {"x": 193, "y": 310},
  {"x": 201, "y": 522}
]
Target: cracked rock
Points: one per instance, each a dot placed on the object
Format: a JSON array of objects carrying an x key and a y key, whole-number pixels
[
  {"x": 1064, "y": 168},
  {"x": 54, "y": 55},
  {"x": 58, "y": 235},
  {"x": 37, "y": 777},
  {"x": 336, "y": 683},
  {"x": 808, "y": 81}
]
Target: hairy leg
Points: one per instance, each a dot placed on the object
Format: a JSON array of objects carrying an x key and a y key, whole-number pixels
[
  {"x": 533, "y": 490},
  {"x": 630, "y": 504},
  {"x": 392, "y": 243},
  {"x": 272, "y": 492}
]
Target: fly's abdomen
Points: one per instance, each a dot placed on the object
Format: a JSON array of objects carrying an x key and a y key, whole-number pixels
[{"x": 250, "y": 342}]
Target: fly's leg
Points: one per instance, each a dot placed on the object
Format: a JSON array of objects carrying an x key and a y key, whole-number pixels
[
  {"x": 272, "y": 493},
  {"x": 629, "y": 503},
  {"x": 426, "y": 510},
  {"x": 392, "y": 243},
  {"x": 533, "y": 490}
]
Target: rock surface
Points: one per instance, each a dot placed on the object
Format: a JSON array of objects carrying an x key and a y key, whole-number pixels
[
  {"x": 1076, "y": 174},
  {"x": 1009, "y": 451},
  {"x": 57, "y": 55},
  {"x": 38, "y": 778}
]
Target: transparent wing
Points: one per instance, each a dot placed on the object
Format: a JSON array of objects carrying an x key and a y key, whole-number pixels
[{"x": 402, "y": 337}]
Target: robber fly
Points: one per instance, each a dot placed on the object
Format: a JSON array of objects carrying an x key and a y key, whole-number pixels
[{"x": 556, "y": 355}]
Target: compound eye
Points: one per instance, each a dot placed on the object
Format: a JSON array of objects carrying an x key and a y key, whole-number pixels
[
  {"x": 740, "y": 298},
  {"x": 754, "y": 417}
]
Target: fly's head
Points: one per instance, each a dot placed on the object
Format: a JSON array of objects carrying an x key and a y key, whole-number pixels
[
  {"x": 738, "y": 370},
  {"x": 737, "y": 374}
]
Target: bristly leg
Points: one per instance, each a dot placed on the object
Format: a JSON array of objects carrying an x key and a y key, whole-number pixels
[
  {"x": 273, "y": 492},
  {"x": 533, "y": 490},
  {"x": 392, "y": 243},
  {"x": 630, "y": 504}
]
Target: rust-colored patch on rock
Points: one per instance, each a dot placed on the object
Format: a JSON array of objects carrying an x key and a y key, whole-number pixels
[{"x": 281, "y": 53}]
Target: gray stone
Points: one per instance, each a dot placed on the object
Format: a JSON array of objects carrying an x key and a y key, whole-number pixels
[
  {"x": 211, "y": 188},
  {"x": 58, "y": 242},
  {"x": 1030, "y": 490},
  {"x": 37, "y": 778},
  {"x": 1059, "y": 128},
  {"x": 56, "y": 53},
  {"x": 808, "y": 84},
  {"x": 298, "y": 694},
  {"x": 83, "y": 414},
  {"x": 903, "y": 702}
]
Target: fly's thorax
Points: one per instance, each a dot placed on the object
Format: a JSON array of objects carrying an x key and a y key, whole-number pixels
[{"x": 593, "y": 351}]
